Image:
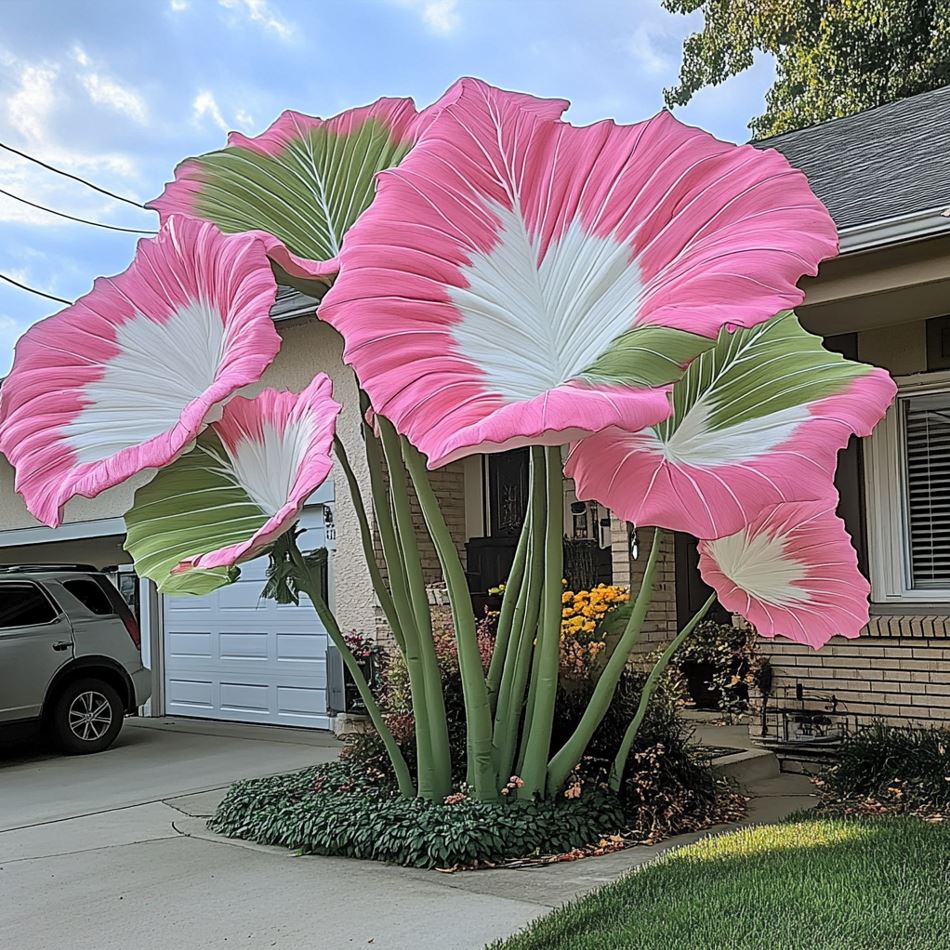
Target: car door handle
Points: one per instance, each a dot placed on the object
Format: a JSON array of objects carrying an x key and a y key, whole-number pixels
[{"x": 62, "y": 644}]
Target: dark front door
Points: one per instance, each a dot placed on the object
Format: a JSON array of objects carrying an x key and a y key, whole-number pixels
[
  {"x": 507, "y": 492},
  {"x": 490, "y": 558}
]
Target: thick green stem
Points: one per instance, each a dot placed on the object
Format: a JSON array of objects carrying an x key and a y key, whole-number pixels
[
  {"x": 649, "y": 688},
  {"x": 307, "y": 583},
  {"x": 540, "y": 727},
  {"x": 429, "y": 675},
  {"x": 567, "y": 757},
  {"x": 481, "y": 772},
  {"x": 513, "y": 588},
  {"x": 369, "y": 552},
  {"x": 508, "y": 715}
]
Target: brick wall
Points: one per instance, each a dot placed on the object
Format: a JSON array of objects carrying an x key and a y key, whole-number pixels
[
  {"x": 901, "y": 676},
  {"x": 659, "y": 627},
  {"x": 448, "y": 484}
]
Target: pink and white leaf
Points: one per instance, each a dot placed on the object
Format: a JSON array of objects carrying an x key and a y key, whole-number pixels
[
  {"x": 125, "y": 378},
  {"x": 241, "y": 487},
  {"x": 792, "y": 572},
  {"x": 756, "y": 421},
  {"x": 499, "y": 289}
]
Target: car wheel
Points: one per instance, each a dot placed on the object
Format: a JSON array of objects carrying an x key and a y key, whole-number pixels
[{"x": 87, "y": 717}]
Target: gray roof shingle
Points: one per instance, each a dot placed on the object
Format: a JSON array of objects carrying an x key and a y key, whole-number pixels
[{"x": 880, "y": 164}]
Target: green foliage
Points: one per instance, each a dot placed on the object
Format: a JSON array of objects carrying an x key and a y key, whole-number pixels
[
  {"x": 342, "y": 809},
  {"x": 668, "y": 787},
  {"x": 811, "y": 884},
  {"x": 833, "y": 57},
  {"x": 897, "y": 768},
  {"x": 733, "y": 658},
  {"x": 282, "y": 584}
]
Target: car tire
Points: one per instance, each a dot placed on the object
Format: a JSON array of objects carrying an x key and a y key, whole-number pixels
[{"x": 87, "y": 717}]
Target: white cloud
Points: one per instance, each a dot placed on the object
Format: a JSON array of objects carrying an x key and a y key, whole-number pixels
[
  {"x": 441, "y": 16},
  {"x": 260, "y": 12},
  {"x": 178, "y": 5},
  {"x": 244, "y": 119},
  {"x": 206, "y": 106},
  {"x": 105, "y": 91},
  {"x": 43, "y": 96}
]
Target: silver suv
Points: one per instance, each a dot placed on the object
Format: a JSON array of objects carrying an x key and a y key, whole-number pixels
[{"x": 69, "y": 655}]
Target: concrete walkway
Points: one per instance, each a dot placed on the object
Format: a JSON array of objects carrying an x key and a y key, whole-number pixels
[{"x": 133, "y": 872}]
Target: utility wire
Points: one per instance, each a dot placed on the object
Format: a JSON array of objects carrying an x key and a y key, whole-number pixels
[
  {"x": 70, "y": 217},
  {"x": 59, "y": 171},
  {"x": 39, "y": 293}
]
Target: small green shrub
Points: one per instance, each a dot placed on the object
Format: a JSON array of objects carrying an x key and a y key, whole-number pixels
[
  {"x": 668, "y": 787},
  {"x": 340, "y": 809},
  {"x": 723, "y": 660},
  {"x": 897, "y": 768}
]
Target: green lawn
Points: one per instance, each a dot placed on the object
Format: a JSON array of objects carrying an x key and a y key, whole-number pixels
[{"x": 806, "y": 884}]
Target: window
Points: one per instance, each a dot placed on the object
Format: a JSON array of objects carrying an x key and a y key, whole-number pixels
[
  {"x": 908, "y": 491},
  {"x": 91, "y": 596},
  {"x": 24, "y": 605},
  {"x": 926, "y": 437}
]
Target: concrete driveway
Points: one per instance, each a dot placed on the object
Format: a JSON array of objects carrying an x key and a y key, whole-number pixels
[{"x": 111, "y": 852}]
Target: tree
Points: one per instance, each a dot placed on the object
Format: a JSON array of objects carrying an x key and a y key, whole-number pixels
[
  {"x": 516, "y": 280},
  {"x": 833, "y": 57}
]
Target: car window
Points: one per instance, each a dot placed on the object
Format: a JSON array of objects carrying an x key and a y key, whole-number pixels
[
  {"x": 91, "y": 596},
  {"x": 24, "y": 605}
]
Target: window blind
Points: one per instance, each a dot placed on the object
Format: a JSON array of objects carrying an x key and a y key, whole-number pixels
[{"x": 927, "y": 479}]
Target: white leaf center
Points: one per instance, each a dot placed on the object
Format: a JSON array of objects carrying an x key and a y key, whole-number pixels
[
  {"x": 761, "y": 567},
  {"x": 267, "y": 467},
  {"x": 695, "y": 443},
  {"x": 159, "y": 370},
  {"x": 531, "y": 327}
]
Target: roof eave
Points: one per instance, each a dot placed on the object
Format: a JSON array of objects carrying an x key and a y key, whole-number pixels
[{"x": 899, "y": 230}]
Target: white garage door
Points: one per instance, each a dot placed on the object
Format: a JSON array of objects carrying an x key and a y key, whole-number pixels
[{"x": 231, "y": 655}]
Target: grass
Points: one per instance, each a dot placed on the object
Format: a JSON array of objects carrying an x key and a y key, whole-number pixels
[{"x": 810, "y": 883}]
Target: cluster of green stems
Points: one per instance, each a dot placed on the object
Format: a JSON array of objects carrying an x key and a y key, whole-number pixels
[{"x": 509, "y": 712}]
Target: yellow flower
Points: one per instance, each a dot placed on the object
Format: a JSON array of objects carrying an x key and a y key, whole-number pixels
[{"x": 590, "y": 626}]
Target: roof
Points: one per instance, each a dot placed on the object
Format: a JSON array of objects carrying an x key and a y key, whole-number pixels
[{"x": 885, "y": 163}]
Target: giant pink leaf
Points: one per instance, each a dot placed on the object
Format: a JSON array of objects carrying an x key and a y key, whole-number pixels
[
  {"x": 756, "y": 421},
  {"x": 303, "y": 181},
  {"x": 791, "y": 572},
  {"x": 127, "y": 376},
  {"x": 518, "y": 279}
]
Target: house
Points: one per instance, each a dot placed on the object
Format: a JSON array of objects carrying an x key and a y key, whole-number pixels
[{"x": 885, "y": 176}]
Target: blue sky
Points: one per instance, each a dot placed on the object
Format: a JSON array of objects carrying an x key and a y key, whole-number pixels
[{"x": 118, "y": 91}]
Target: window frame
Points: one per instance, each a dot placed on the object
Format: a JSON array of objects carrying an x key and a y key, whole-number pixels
[{"x": 886, "y": 492}]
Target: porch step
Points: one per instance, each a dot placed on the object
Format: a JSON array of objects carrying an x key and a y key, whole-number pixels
[{"x": 748, "y": 766}]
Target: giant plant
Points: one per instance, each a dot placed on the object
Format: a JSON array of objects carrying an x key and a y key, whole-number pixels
[{"x": 501, "y": 278}]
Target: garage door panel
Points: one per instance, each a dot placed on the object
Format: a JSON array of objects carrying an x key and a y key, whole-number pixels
[
  {"x": 301, "y": 648},
  {"x": 182, "y": 644},
  {"x": 246, "y": 697},
  {"x": 188, "y": 693},
  {"x": 244, "y": 645},
  {"x": 293, "y": 701},
  {"x": 232, "y": 655}
]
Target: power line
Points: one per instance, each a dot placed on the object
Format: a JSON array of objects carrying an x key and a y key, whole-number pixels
[
  {"x": 32, "y": 290},
  {"x": 70, "y": 217},
  {"x": 59, "y": 171}
]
